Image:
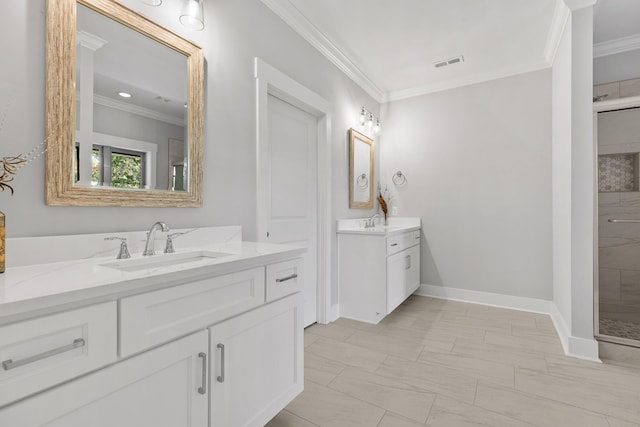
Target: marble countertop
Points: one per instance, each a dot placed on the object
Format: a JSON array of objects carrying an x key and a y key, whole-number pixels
[
  {"x": 30, "y": 290},
  {"x": 396, "y": 225}
]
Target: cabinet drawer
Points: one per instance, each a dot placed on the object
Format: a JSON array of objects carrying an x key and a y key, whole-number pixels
[
  {"x": 403, "y": 241},
  {"x": 39, "y": 353},
  {"x": 150, "y": 319},
  {"x": 284, "y": 278}
]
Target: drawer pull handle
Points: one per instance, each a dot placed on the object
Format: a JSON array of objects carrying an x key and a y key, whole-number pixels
[
  {"x": 10, "y": 364},
  {"x": 221, "y": 376},
  {"x": 284, "y": 279},
  {"x": 408, "y": 266},
  {"x": 203, "y": 388},
  {"x": 394, "y": 244}
]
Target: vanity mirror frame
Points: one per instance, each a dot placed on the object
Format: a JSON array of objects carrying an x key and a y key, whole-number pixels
[
  {"x": 61, "y": 111},
  {"x": 354, "y": 138}
]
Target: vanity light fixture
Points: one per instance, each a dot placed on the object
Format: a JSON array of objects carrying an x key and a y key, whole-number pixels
[
  {"x": 152, "y": 2},
  {"x": 124, "y": 94},
  {"x": 192, "y": 15},
  {"x": 366, "y": 117}
]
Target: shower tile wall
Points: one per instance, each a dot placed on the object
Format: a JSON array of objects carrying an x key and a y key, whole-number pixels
[{"x": 619, "y": 244}]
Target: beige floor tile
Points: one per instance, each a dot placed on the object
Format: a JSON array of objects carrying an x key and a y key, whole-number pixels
[
  {"x": 287, "y": 419},
  {"x": 534, "y": 344},
  {"x": 332, "y": 330},
  {"x": 347, "y": 354},
  {"x": 495, "y": 372},
  {"x": 614, "y": 422},
  {"x": 544, "y": 322},
  {"x": 329, "y": 408},
  {"x": 386, "y": 393},
  {"x": 478, "y": 321},
  {"x": 527, "y": 331},
  {"x": 534, "y": 410},
  {"x": 321, "y": 370},
  {"x": 506, "y": 356},
  {"x": 310, "y": 338},
  {"x": 433, "y": 340},
  {"x": 613, "y": 401},
  {"x": 447, "y": 412},
  {"x": 391, "y": 345},
  {"x": 596, "y": 374},
  {"x": 444, "y": 330},
  {"x": 393, "y": 420},
  {"x": 354, "y": 324},
  {"x": 430, "y": 377}
]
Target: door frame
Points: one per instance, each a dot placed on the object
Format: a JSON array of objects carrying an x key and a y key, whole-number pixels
[
  {"x": 270, "y": 81},
  {"x": 599, "y": 107}
]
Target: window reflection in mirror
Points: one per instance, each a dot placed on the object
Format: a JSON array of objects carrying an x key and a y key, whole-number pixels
[{"x": 132, "y": 91}]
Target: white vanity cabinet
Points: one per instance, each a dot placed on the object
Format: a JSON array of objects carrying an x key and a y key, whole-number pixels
[
  {"x": 377, "y": 272},
  {"x": 159, "y": 388},
  {"x": 257, "y": 364},
  {"x": 213, "y": 350}
]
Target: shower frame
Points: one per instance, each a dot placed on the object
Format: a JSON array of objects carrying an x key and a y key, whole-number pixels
[{"x": 600, "y": 107}]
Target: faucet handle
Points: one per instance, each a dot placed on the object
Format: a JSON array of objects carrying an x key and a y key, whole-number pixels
[
  {"x": 168, "y": 249},
  {"x": 124, "y": 250}
]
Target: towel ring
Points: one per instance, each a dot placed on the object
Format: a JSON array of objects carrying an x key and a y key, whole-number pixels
[
  {"x": 362, "y": 180},
  {"x": 399, "y": 178}
]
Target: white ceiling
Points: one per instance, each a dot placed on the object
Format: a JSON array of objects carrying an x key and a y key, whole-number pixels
[{"x": 389, "y": 48}]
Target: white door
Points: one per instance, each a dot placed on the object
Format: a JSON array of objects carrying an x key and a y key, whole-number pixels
[{"x": 290, "y": 189}]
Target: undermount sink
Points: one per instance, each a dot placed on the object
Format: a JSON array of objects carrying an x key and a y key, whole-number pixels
[{"x": 164, "y": 260}]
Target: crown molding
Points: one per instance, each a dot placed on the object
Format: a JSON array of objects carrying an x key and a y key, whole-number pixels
[
  {"x": 561, "y": 16},
  {"x": 300, "y": 24},
  {"x": 611, "y": 47},
  {"x": 134, "y": 109},
  {"x": 465, "y": 81}
]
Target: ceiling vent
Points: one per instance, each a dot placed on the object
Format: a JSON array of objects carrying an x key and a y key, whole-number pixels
[{"x": 450, "y": 61}]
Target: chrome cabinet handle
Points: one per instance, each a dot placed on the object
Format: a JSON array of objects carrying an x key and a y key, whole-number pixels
[
  {"x": 394, "y": 244},
  {"x": 408, "y": 262},
  {"x": 221, "y": 376},
  {"x": 203, "y": 389},
  {"x": 625, "y": 220},
  {"x": 284, "y": 279},
  {"x": 10, "y": 364}
]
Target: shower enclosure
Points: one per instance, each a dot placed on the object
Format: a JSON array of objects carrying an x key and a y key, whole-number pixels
[{"x": 617, "y": 134}]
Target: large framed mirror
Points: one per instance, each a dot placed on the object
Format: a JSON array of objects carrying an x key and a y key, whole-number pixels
[
  {"x": 124, "y": 109},
  {"x": 361, "y": 176}
]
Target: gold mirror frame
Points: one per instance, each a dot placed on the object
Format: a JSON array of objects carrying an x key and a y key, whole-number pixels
[
  {"x": 61, "y": 111},
  {"x": 354, "y": 137}
]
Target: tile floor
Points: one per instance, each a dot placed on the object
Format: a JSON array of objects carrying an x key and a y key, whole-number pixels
[{"x": 445, "y": 363}]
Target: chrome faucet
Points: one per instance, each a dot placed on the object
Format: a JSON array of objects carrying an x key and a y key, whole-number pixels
[
  {"x": 371, "y": 222},
  {"x": 151, "y": 235}
]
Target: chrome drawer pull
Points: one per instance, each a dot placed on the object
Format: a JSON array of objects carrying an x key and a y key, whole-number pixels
[
  {"x": 203, "y": 388},
  {"x": 284, "y": 279},
  {"x": 394, "y": 244},
  {"x": 10, "y": 364},
  {"x": 221, "y": 376}
]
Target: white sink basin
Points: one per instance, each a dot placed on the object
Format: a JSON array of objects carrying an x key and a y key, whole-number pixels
[{"x": 163, "y": 260}]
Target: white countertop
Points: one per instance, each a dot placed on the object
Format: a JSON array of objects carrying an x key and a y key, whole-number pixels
[
  {"x": 31, "y": 290},
  {"x": 396, "y": 225}
]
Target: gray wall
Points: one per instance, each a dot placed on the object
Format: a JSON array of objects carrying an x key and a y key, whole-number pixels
[
  {"x": 478, "y": 165},
  {"x": 613, "y": 68},
  {"x": 236, "y": 31}
]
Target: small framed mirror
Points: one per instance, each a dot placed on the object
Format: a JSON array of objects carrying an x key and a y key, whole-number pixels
[
  {"x": 124, "y": 109},
  {"x": 361, "y": 177}
]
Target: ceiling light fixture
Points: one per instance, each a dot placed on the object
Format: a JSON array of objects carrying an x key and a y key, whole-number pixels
[
  {"x": 366, "y": 118},
  {"x": 124, "y": 94},
  {"x": 192, "y": 15}
]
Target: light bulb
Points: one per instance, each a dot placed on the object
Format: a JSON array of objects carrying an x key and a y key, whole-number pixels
[
  {"x": 370, "y": 122},
  {"x": 192, "y": 14},
  {"x": 376, "y": 128},
  {"x": 362, "y": 116}
]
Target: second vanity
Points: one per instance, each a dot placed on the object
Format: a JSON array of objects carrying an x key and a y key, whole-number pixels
[
  {"x": 216, "y": 340},
  {"x": 378, "y": 266}
]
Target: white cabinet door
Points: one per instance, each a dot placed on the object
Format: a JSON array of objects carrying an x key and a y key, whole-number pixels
[
  {"x": 159, "y": 388},
  {"x": 397, "y": 267},
  {"x": 413, "y": 272},
  {"x": 256, "y": 363}
]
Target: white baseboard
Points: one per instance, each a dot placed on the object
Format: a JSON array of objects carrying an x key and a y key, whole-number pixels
[{"x": 580, "y": 348}]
